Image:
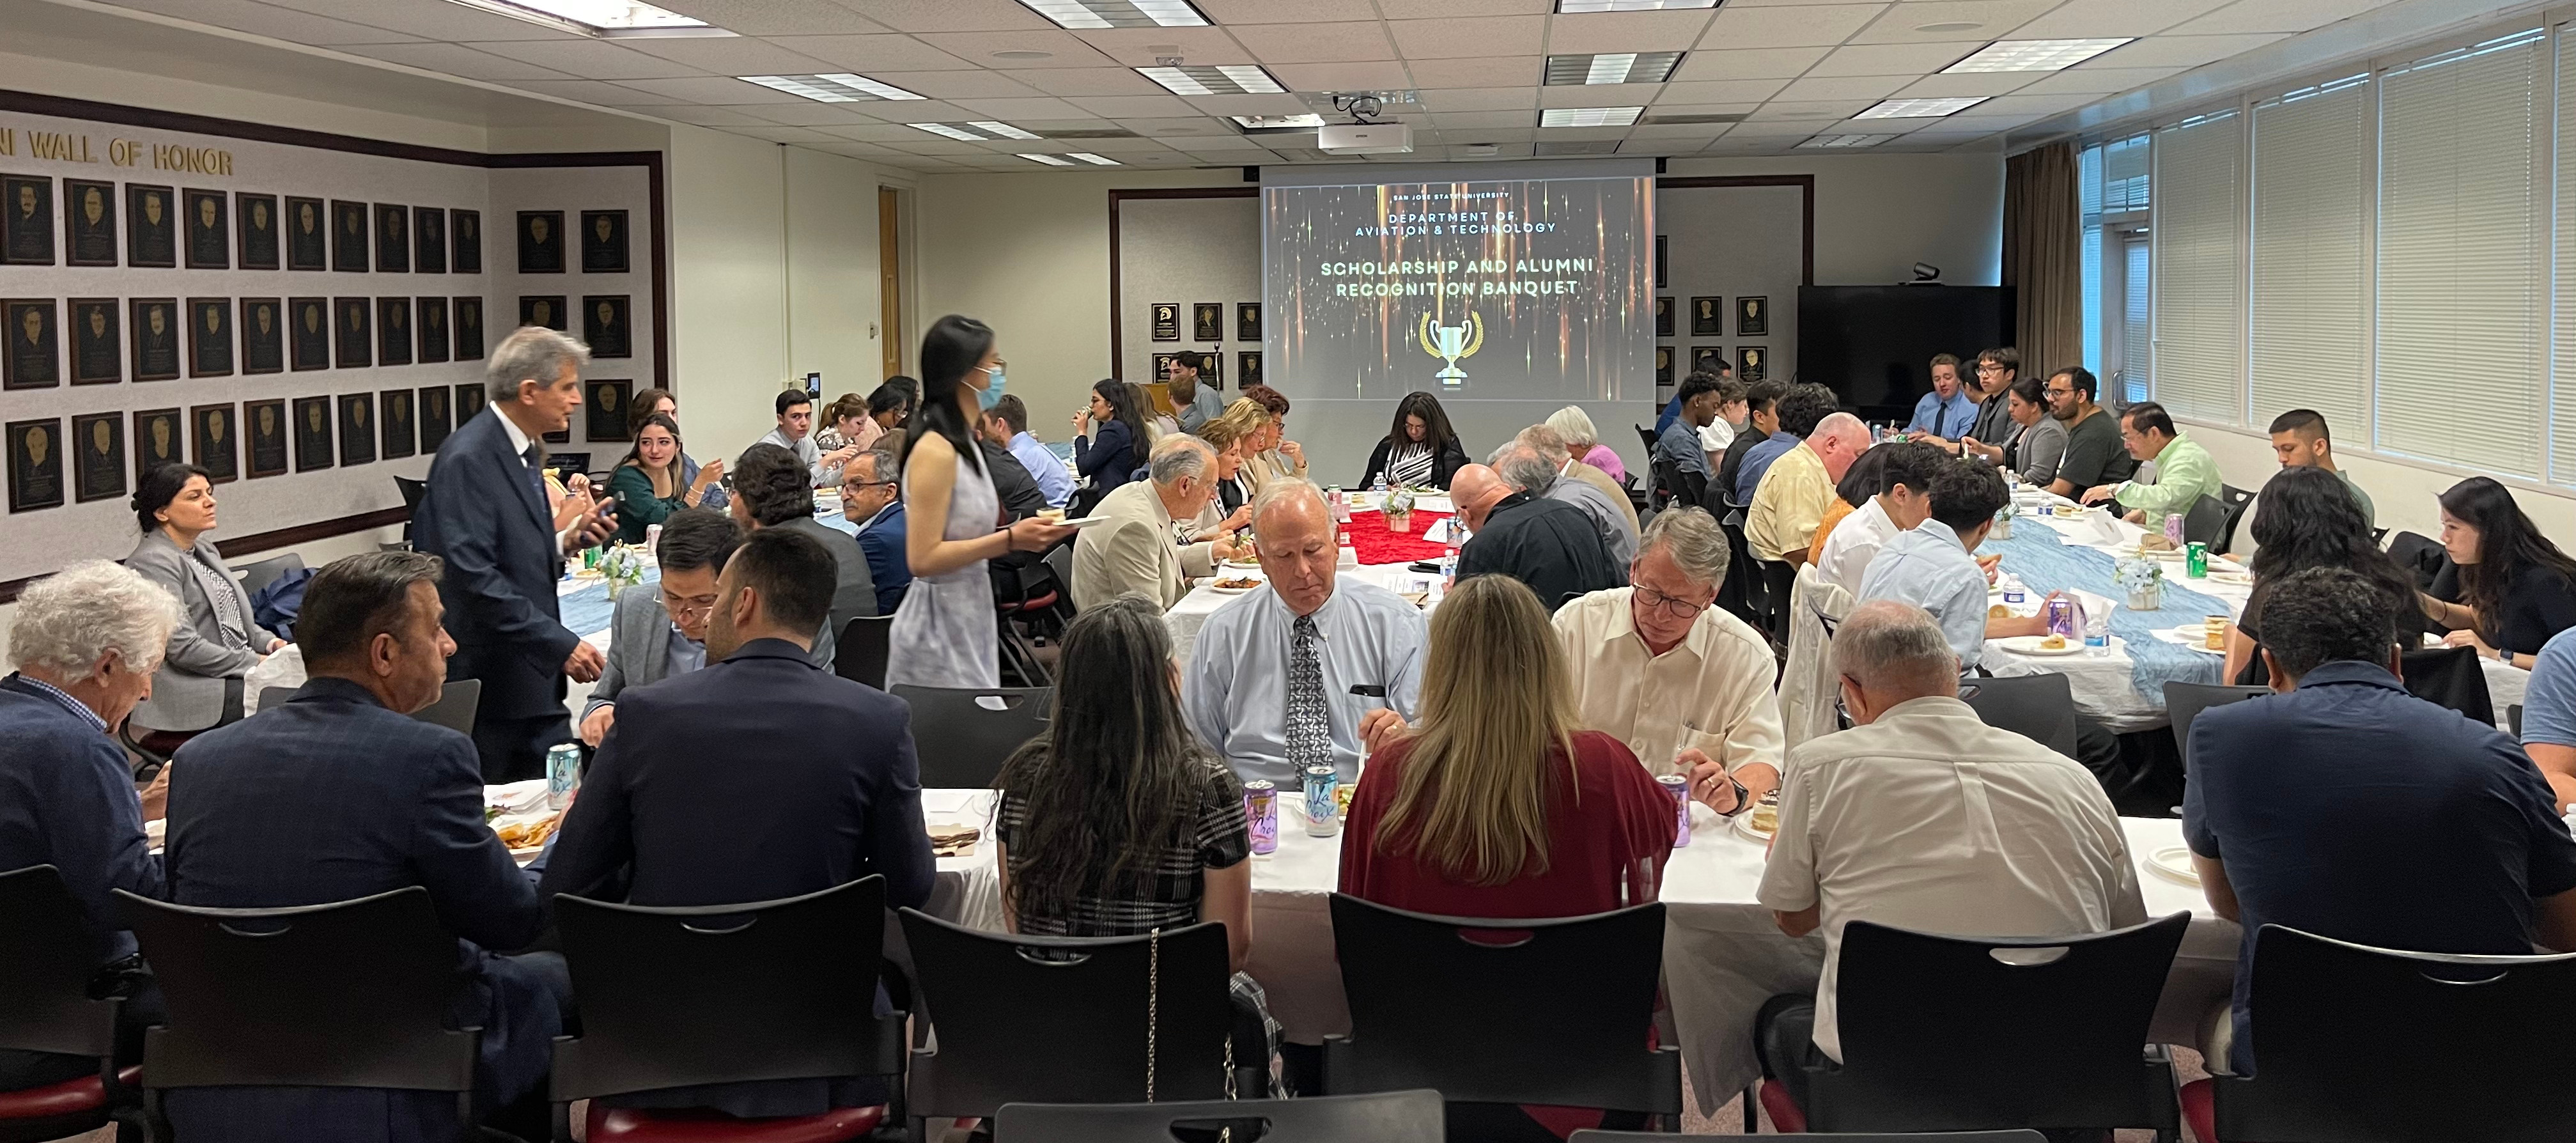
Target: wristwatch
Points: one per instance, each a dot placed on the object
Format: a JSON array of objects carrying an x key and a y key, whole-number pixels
[
  {"x": 1743, "y": 798},
  {"x": 2503, "y": 656}
]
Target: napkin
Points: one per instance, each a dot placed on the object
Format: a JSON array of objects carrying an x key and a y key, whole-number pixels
[
  {"x": 2095, "y": 526},
  {"x": 2094, "y": 604},
  {"x": 1440, "y": 530}
]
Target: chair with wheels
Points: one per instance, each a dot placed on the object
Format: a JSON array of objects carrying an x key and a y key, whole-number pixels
[
  {"x": 1779, "y": 585},
  {"x": 2185, "y": 701},
  {"x": 1385, "y": 1117},
  {"x": 2057, "y": 1031},
  {"x": 348, "y": 994},
  {"x": 2487, "y": 1052},
  {"x": 720, "y": 994},
  {"x": 2038, "y": 707},
  {"x": 1645, "y": 436},
  {"x": 860, "y": 654},
  {"x": 964, "y": 734},
  {"x": 1422, "y": 989},
  {"x": 47, "y": 957},
  {"x": 1873, "y": 1137},
  {"x": 412, "y": 493},
  {"x": 262, "y": 573},
  {"x": 1069, "y": 1019}
]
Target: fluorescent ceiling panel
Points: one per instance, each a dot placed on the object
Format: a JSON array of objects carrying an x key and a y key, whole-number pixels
[
  {"x": 1094, "y": 160},
  {"x": 1919, "y": 108},
  {"x": 1837, "y": 142},
  {"x": 1305, "y": 122},
  {"x": 2033, "y": 55},
  {"x": 1573, "y": 6},
  {"x": 1118, "y": 13},
  {"x": 588, "y": 17},
  {"x": 1613, "y": 67},
  {"x": 834, "y": 87},
  {"x": 1589, "y": 116},
  {"x": 1222, "y": 79},
  {"x": 1049, "y": 160}
]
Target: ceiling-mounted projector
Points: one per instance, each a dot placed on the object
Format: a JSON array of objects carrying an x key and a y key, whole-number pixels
[{"x": 1364, "y": 138}]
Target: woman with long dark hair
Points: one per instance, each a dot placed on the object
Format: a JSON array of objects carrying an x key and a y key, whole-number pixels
[
  {"x": 1108, "y": 435},
  {"x": 199, "y": 686},
  {"x": 1118, "y": 821},
  {"x": 2306, "y": 518},
  {"x": 944, "y": 633},
  {"x": 2506, "y": 589},
  {"x": 1420, "y": 448},
  {"x": 647, "y": 483}
]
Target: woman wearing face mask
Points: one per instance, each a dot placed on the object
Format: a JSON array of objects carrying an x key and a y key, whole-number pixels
[
  {"x": 647, "y": 484},
  {"x": 199, "y": 686}
]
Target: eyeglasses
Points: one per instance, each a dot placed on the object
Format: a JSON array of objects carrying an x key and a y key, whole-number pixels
[
  {"x": 867, "y": 483},
  {"x": 684, "y": 608},
  {"x": 1672, "y": 605}
]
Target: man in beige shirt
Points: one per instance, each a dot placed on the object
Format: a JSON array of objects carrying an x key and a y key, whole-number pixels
[
  {"x": 1791, "y": 499},
  {"x": 1133, "y": 548},
  {"x": 1923, "y": 817},
  {"x": 1684, "y": 684}
]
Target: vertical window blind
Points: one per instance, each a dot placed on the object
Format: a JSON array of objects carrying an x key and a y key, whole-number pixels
[
  {"x": 2309, "y": 333},
  {"x": 2198, "y": 259}
]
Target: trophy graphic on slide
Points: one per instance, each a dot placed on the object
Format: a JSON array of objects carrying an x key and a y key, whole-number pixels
[{"x": 1451, "y": 342}]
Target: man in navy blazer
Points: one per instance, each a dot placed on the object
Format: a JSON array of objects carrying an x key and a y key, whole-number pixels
[
  {"x": 761, "y": 777},
  {"x": 338, "y": 793},
  {"x": 485, "y": 514}
]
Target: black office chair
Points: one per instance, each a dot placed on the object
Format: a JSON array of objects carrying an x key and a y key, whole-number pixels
[
  {"x": 349, "y": 994},
  {"x": 1779, "y": 586},
  {"x": 2038, "y": 707},
  {"x": 2185, "y": 701},
  {"x": 2060, "y": 1025},
  {"x": 2513, "y": 715},
  {"x": 2236, "y": 500},
  {"x": 1740, "y": 593},
  {"x": 412, "y": 492},
  {"x": 2449, "y": 676},
  {"x": 2418, "y": 555},
  {"x": 1068, "y": 1019},
  {"x": 255, "y": 576},
  {"x": 2205, "y": 521},
  {"x": 47, "y": 958},
  {"x": 1386, "y": 1117},
  {"x": 964, "y": 734},
  {"x": 2487, "y": 1050},
  {"x": 457, "y": 703},
  {"x": 1868, "y": 1137},
  {"x": 680, "y": 997},
  {"x": 1422, "y": 988},
  {"x": 860, "y": 654},
  {"x": 1059, "y": 563}
]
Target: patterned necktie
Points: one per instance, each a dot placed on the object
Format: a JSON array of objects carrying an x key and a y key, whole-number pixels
[
  {"x": 535, "y": 456},
  {"x": 1310, "y": 730}
]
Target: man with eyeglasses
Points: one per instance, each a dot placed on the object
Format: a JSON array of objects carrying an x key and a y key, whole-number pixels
[
  {"x": 654, "y": 635},
  {"x": 871, "y": 497},
  {"x": 1997, "y": 369},
  {"x": 1684, "y": 684},
  {"x": 2095, "y": 454}
]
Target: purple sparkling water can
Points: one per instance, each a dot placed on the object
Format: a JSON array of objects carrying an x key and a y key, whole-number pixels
[
  {"x": 1261, "y": 813},
  {"x": 1679, "y": 787}
]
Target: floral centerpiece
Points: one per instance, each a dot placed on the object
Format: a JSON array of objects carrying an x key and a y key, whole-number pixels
[
  {"x": 622, "y": 566},
  {"x": 1399, "y": 510},
  {"x": 2144, "y": 580},
  {"x": 2003, "y": 521}
]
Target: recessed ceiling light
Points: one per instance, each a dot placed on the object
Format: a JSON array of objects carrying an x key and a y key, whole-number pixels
[
  {"x": 1950, "y": 26},
  {"x": 1000, "y": 130},
  {"x": 2033, "y": 55},
  {"x": 975, "y": 132},
  {"x": 832, "y": 87},
  {"x": 1836, "y": 142},
  {"x": 1222, "y": 79},
  {"x": 1049, "y": 160},
  {"x": 1024, "y": 54},
  {"x": 1307, "y": 122},
  {"x": 590, "y": 17},
  {"x": 1613, "y": 67},
  {"x": 1919, "y": 108},
  {"x": 946, "y": 130},
  {"x": 1589, "y": 116},
  {"x": 1118, "y": 13},
  {"x": 1573, "y": 6},
  {"x": 1094, "y": 160}
]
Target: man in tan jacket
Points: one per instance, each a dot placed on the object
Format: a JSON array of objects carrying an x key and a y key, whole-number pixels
[{"x": 1134, "y": 548}]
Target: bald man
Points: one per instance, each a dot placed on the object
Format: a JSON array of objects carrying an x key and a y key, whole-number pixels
[
  {"x": 1790, "y": 501},
  {"x": 1550, "y": 545}
]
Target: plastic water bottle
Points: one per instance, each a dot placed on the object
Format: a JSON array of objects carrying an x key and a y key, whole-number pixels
[{"x": 1378, "y": 489}]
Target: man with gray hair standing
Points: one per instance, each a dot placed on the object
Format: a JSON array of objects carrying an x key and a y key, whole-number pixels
[
  {"x": 1585, "y": 487},
  {"x": 485, "y": 515},
  {"x": 1923, "y": 817},
  {"x": 1133, "y": 550},
  {"x": 1551, "y": 545}
]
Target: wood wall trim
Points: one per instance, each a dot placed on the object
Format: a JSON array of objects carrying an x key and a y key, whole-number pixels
[
  {"x": 270, "y": 541},
  {"x": 1806, "y": 185},
  {"x": 1117, "y": 352}
]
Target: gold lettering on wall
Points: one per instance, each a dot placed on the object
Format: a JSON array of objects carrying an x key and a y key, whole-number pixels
[
  {"x": 192, "y": 160},
  {"x": 71, "y": 147},
  {"x": 8, "y": 140},
  {"x": 60, "y": 146}
]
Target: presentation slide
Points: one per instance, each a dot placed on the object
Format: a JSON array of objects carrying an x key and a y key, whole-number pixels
[{"x": 1506, "y": 289}]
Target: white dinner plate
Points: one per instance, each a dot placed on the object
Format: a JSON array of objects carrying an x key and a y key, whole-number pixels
[
  {"x": 2238, "y": 578},
  {"x": 1084, "y": 522},
  {"x": 1231, "y": 590},
  {"x": 2193, "y": 637},
  {"x": 1742, "y": 824},
  {"x": 2029, "y": 645},
  {"x": 2174, "y": 864}
]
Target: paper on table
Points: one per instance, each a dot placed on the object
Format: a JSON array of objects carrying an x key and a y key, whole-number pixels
[
  {"x": 2094, "y": 604},
  {"x": 1438, "y": 532},
  {"x": 957, "y": 805}
]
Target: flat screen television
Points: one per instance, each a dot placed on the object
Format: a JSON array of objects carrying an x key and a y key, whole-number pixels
[{"x": 1874, "y": 344}]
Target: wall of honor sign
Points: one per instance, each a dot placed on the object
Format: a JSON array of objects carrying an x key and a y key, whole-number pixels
[
  {"x": 1187, "y": 270},
  {"x": 302, "y": 315}
]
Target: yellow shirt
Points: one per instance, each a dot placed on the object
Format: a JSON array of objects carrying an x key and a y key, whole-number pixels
[
  {"x": 1712, "y": 692},
  {"x": 1788, "y": 504}
]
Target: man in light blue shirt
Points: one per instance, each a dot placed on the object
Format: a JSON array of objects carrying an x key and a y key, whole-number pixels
[
  {"x": 1006, "y": 424},
  {"x": 1929, "y": 565},
  {"x": 2549, "y": 715},
  {"x": 1366, "y": 643},
  {"x": 1947, "y": 411}
]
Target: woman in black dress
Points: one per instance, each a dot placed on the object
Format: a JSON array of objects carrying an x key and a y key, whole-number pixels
[
  {"x": 2505, "y": 588},
  {"x": 2305, "y": 519}
]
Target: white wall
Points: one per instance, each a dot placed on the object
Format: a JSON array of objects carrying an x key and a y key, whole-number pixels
[{"x": 1877, "y": 215}]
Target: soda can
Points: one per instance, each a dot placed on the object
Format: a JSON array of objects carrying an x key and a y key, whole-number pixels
[
  {"x": 2195, "y": 560},
  {"x": 2061, "y": 617},
  {"x": 563, "y": 774},
  {"x": 1679, "y": 787},
  {"x": 1261, "y": 813},
  {"x": 653, "y": 539},
  {"x": 1323, "y": 816}
]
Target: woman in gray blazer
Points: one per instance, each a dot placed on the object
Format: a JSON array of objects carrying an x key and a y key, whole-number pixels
[{"x": 199, "y": 686}]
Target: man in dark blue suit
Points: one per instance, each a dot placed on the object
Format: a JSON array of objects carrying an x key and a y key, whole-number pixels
[
  {"x": 761, "y": 777},
  {"x": 485, "y": 514},
  {"x": 338, "y": 793}
]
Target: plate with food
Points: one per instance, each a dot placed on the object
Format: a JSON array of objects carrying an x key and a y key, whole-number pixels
[
  {"x": 2195, "y": 637},
  {"x": 1760, "y": 822},
  {"x": 2239, "y": 578},
  {"x": 2173, "y": 863},
  {"x": 2044, "y": 645},
  {"x": 1234, "y": 585},
  {"x": 526, "y": 835}
]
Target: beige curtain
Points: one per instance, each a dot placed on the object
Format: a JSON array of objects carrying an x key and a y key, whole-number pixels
[{"x": 2043, "y": 257}]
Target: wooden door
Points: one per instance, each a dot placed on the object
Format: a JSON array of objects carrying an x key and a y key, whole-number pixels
[{"x": 890, "y": 280}]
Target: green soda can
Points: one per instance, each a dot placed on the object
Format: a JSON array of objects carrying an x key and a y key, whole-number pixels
[{"x": 2195, "y": 560}]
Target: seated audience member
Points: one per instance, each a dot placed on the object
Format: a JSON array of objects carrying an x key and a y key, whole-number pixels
[
  {"x": 1194, "y": 402},
  {"x": 1720, "y": 432},
  {"x": 1801, "y": 409},
  {"x": 835, "y": 797},
  {"x": 2302, "y": 440},
  {"x": 1923, "y": 817},
  {"x": 1679, "y": 446},
  {"x": 1277, "y": 456},
  {"x": 1233, "y": 494},
  {"x": 1006, "y": 427},
  {"x": 646, "y": 484},
  {"x": 1686, "y": 686},
  {"x": 846, "y": 423},
  {"x": 2095, "y": 454},
  {"x": 1896, "y": 501},
  {"x": 2341, "y": 805},
  {"x": 2506, "y": 590},
  {"x": 653, "y": 403},
  {"x": 655, "y": 635},
  {"x": 910, "y": 387},
  {"x": 1132, "y": 550},
  {"x": 1158, "y": 424},
  {"x": 85, "y": 641},
  {"x": 1945, "y": 414},
  {"x": 1118, "y": 821},
  {"x": 1930, "y": 565},
  {"x": 380, "y": 801},
  {"x": 1761, "y": 404},
  {"x": 1551, "y": 545},
  {"x": 1498, "y": 804},
  {"x": 1998, "y": 370},
  {"x": 871, "y": 499},
  {"x": 2037, "y": 443},
  {"x": 2306, "y": 519},
  {"x": 1109, "y": 436},
  {"x": 1850, "y": 492},
  {"x": 767, "y": 494},
  {"x": 2549, "y": 716},
  {"x": 1281, "y": 677},
  {"x": 2185, "y": 472},
  {"x": 1420, "y": 450},
  {"x": 1587, "y": 488},
  {"x": 1790, "y": 500},
  {"x": 1584, "y": 441},
  {"x": 1254, "y": 426},
  {"x": 200, "y": 681},
  {"x": 795, "y": 433}
]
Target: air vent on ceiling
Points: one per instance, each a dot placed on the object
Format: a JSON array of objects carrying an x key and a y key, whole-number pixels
[
  {"x": 1581, "y": 147},
  {"x": 1712, "y": 117},
  {"x": 1089, "y": 133}
]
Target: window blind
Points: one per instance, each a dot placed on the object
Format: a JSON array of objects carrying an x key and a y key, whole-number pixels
[
  {"x": 2199, "y": 365},
  {"x": 2308, "y": 325},
  {"x": 2462, "y": 240},
  {"x": 2562, "y": 439}
]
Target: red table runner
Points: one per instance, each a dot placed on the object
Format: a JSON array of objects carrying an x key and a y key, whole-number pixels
[{"x": 1376, "y": 545}]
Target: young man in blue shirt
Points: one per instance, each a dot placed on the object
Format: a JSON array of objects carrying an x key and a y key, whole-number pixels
[{"x": 1947, "y": 412}]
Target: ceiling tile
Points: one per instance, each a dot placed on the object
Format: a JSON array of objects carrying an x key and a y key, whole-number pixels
[
  {"x": 962, "y": 84},
  {"x": 1455, "y": 120},
  {"x": 1768, "y": 63},
  {"x": 1479, "y": 72},
  {"x": 1441, "y": 9},
  {"x": 1843, "y": 87},
  {"x": 950, "y": 15},
  {"x": 1087, "y": 81},
  {"x": 729, "y": 55},
  {"x": 1316, "y": 43},
  {"x": 456, "y": 60},
  {"x": 1591, "y": 32},
  {"x": 1013, "y": 110},
  {"x": 1480, "y": 99},
  {"x": 930, "y": 144},
  {"x": 807, "y": 113},
  {"x": 1064, "y": 48},
  {"x": 2108, "y": 19},
  {"x": 2098, "y": 80},
  {"x": 1781, "y": 109},
  {"x": 871, "y": 132},
  {"x": 1978, "y": 83},
  {"x": 271, "y": 21},
  {"x": 1664, "y": 145},
  {"x": 1375, "y": 75},
  {"x": 776, "y": 17},
  {"x": 1202, "y": 144},
  {"x": 712, "y": 90},
  {"x": 871, "y": 54},
  {"x": 1776, "y": 128},
  {"x": 1700, "y": 131},
  {"x": 784, "y": 134},
  {"x": 591, "y": 59},
  {"x": 1892, "y": 59},
  {"x": 1471, "y": 38},
  {"x": 1521, "y": 134},
  {"x": 1902, "y": 24},
  {"x": 703, "y": 116},
  {"x": 451, "y": 22},
  {"x": 2033, "y": 104},
  {"x": 859, "y": 150},
  {"x": 2179, "y": 51},
  {"x": 1722, "y": 91},
  {"x": 1119, "y": 146},
  {"x": 590, "y": 91},
  {"x": 2274, "y": 16},
  {"x": 1235, "y": 13},
  {"x": 1134, "y": 47},
  {"x": 1249, "y": 104},
  {"x": 1806, "y": 26},
  {"x": 1958, "y": 125},
  {"x": 1578, "y": 134},
  {"x": 1134, "y": 106},
  {"x": 1193, "y": 130},
  {"x": 1599, "y": 94}
]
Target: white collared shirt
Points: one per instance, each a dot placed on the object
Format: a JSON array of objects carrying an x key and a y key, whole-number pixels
[
  {"x": 1853, "y": 543},
  {"x": 1712, "y": 692}
]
